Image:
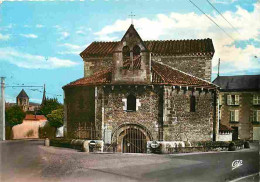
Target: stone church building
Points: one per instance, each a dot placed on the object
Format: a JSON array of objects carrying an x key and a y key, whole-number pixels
[{"x": 135, "y": 91}]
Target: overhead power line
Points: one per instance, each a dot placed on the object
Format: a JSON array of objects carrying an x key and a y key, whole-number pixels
[
  {"x": 211, "y": 20},
  {"x": 21, "y": 86},
  {"x": 223, "y": 16}
]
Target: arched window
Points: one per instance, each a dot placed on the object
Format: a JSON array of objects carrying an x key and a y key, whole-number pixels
[
  {"x": 136, "y": 50},
  {"x": 192, "y": 103},
  {"x": 137, "y": 57},
  {"x": 131, "y": 103},
  {"x": 126, "y": 57}
]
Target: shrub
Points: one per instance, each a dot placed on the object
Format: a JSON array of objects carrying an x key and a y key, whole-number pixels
[
  {"x": 231, "y": 146},
  {"x": 30, "y": 133}
]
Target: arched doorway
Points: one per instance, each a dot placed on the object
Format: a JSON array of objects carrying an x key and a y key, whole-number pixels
[
  {"x": 134, "y": 141},
  {"x": 131, "y": 138}
]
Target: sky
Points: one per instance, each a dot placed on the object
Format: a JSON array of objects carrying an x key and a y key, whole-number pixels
[{"x": 40, "y": 40}]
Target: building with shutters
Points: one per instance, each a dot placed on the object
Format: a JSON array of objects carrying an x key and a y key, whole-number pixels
[
  {"x": 239, "y": 101},
  {"x": 135, "y": 91}
]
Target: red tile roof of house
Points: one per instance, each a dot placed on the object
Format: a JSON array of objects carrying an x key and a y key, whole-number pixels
[
  {"x": 225, "y": 128},
  {"x": 161, "y": 75},
  {"x": 162, "y": 47},
  {"x": 33, "y": 117}
]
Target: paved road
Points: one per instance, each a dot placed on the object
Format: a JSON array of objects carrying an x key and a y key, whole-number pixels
[{"x": 24, "y": 161}]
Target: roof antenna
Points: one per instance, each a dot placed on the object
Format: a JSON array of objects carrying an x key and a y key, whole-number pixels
[{"x": 218, "y": 66}]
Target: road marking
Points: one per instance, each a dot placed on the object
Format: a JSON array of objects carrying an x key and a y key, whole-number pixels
[{"x": 238, "y": 179}]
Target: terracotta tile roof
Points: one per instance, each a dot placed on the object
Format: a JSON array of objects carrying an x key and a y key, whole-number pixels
[
  {"x": 100, "y": 77},
  {"x": 225, "y": 128},
  {"x": 156, "y": 47},
  {"x": 161, "y": 75},
  {"x": 35, "y": 117}
]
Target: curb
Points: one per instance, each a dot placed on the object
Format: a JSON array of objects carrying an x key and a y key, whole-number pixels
[{"x": 244, "y": 177}]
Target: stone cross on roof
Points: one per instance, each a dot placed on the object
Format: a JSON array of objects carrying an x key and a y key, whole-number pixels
[{"x": 132, "y": 15}]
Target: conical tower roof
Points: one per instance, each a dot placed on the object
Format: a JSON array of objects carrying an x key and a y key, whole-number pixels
[{"x": 22, "y": 94}]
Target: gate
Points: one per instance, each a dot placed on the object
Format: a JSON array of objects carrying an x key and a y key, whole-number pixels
[{"x": 134, "y": 141}]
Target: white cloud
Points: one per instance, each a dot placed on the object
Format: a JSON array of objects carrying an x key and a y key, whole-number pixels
[
  {"x": 64, "y": 35},
  {"x": 32, "y": 36},
  {"x": 223, "y": 1},
  {"x": 4, "y": 37},
  {"x": 10, "y": 99},
  {"x": 58, "y": 27},
  {"x": 30, "y": 61},
  {"x": 35, "y": 100},
  {"x": 72, "y": 49},
  {"x": 39, "y": 26},
  {"x": 80, "y": 32},
  {"x": 195, "y": 26}
]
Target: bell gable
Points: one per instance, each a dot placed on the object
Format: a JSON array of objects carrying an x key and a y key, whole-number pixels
[{"x": 131, "y": 59}]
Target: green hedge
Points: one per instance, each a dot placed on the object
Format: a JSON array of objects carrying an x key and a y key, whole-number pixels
[{"x": 66, "y": 143}]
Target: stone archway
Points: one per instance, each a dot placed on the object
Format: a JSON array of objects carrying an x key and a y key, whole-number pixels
[{"x": 131, "y": 138}]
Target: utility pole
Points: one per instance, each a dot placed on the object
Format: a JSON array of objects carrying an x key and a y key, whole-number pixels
[{"x": 2, "y": 110}]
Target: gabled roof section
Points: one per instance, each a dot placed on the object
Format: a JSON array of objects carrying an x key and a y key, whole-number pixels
[
  {"x": 166, "y": 75},
  {"x": 156, "y": 47},
  {"x": 22, "y": 94},
  {"x": 241, "y": 82},
  {"x": 132, "y": 29},
  {"x": 161, "y": 75}
]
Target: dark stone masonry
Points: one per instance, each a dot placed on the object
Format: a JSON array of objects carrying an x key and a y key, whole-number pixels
[{"x": 135, "y": 91}]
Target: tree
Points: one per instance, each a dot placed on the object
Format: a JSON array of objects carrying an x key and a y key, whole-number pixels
[
  {"x": 14, "y": 115},
  {"x": 55, "y": 118},
  {"x": 49, "y": 105}
]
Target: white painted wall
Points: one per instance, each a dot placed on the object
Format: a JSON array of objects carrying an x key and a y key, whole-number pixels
[{"x": 28, "y": 129}]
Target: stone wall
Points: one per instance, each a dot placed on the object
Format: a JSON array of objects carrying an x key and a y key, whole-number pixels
[
  {"x": 114, "y": 114},
  {"x": 163, "y": 113},
  {"x": 179, "y": 123},
  {"x": 92, "y": 65},
  {"x": 245, "y": 108},
  {"x": 199, "y": 66},
  {"x": 79, "y": 105}
]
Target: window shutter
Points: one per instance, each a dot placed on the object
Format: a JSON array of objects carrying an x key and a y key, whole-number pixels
[
  {"x": 228, "y": 99},
  {"x": 254, "y": 99},
  {"x": 258, "y": 115},
  {"x": 254, "y": 115},
  {"x": 231, "y": 115},
  {"x": 220, "y": 99},
  {"x": 236, "y": 99},
  {"x": 236, "y": 115},
  {"x": 125, "y": 104}
]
